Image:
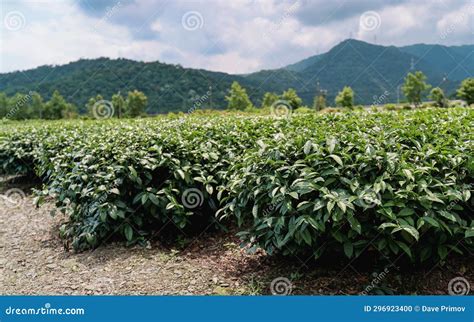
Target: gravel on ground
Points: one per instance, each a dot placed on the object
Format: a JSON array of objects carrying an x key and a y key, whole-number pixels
[{"x": 33, "y": 260}]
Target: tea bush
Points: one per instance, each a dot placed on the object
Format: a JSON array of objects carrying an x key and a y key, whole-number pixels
[
  {"x": 127, "y": 179},
  {"x": 388, "y": 182},
  {"x": 396, "y": 182}
]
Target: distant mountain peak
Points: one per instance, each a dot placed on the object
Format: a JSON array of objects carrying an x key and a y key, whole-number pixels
[{"x": 371, "y": 70}]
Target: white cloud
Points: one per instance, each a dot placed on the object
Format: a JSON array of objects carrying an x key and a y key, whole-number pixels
[
  {"x": 457, "y": 22},
  {"x": 237, "y": 36},
  {"x": 156, "y": 26}
]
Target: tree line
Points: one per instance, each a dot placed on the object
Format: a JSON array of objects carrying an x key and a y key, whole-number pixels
[
  {"x": 33, "y": 106},
  {"x": 415, "y": 89},
  {"x": 134, "y": 104}
]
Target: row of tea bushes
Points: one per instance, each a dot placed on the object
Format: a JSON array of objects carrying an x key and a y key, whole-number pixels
[
  {"x": 388, "y": 183},
  {"x": 392, "y": 182}
]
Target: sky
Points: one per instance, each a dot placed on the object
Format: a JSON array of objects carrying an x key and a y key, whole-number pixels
[{"x": 234, "y": 36}]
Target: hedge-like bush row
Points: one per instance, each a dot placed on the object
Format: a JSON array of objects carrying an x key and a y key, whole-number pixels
[
  {"x": 388, "y": 183},
  {"x": 392, "y": 182},
  {"x": 129, "y": 179}
]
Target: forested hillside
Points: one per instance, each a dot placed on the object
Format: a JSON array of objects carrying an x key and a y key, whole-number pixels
[{"x": 371, "y": 70}]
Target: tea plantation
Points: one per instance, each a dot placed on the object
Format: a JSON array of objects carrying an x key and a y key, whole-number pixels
[{"x": 397, "y": 183}]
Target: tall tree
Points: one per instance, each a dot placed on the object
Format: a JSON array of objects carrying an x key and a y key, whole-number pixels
[
  {"x": 415, "y": 87},
  {"x": 238, "y": 98},
  {"x": 345, "y": 98},
  {"x": 292, "y": 98},
  {"x": 70, "y": 111},
  {"x": 36, "y": 106},
  {"x": 437, "y": 95},
  {"x": 269, "y": 98},
  {"x": 57, "y": 107},
  {"x": 319, "y": 102},
  {"x": 3, "y": 105},
  {"x": 466, "y": 91},
  {"x": 119, "y": 104},
  {"x": 136, "y": 103},
  {"x": 91, "y": 105},
  {"x": 18, "y": 107}
]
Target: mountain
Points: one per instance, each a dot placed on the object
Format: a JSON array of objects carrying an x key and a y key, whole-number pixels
[
  {"x": 375, "y": 73},
  {"x": 457, "y": 62},
  {"x": 168, "y": 87},
  {"x": 303, "y": 64}
]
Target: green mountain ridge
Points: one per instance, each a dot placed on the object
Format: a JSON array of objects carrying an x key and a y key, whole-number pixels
[
  {"x": 373, "y": 71},
  {"x": 168, "y": 87},
  {"x": 456, "y": 61}
]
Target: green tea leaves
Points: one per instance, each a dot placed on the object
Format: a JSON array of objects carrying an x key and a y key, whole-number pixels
[{"x": 337, "y": 182}]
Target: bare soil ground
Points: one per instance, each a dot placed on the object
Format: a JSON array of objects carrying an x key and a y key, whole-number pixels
[{"x": 34, "y": 261}]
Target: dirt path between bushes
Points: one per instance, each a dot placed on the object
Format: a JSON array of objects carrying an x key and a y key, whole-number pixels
[{"x": 34, "y": 261}]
